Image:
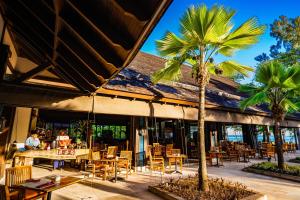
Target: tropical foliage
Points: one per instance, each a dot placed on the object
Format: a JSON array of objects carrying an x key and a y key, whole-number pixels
[
  {"x": 205, "y": 32},
  {"x": 286, "y": 32},
  {"x": 269, "y": 166},
  {"x": 277, "y": 86}
]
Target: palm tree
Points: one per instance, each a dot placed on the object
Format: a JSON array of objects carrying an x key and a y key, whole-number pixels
[
  {"x": 279, "y": 87},
  {"x": 204, "y": 33}
]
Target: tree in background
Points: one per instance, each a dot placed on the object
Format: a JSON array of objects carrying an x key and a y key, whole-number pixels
[
  {"x": 204, "y": 33},
  {"x": 286, "y": 31},
  {"x": 278, "y": 86}
]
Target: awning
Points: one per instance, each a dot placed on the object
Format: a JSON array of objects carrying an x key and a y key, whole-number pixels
[
  {"x": 61, "y": 100},
  {"x": 82, "y": 43}
]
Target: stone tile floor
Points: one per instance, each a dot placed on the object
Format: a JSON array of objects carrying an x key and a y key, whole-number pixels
[{"x": 135, "y": 187}]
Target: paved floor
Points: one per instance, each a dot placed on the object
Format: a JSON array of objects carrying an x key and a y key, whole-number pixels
[{"x": 135, "y": 187}]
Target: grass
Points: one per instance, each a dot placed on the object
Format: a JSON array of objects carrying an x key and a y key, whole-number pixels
[
  {"x": 295, "y": 160},
  {"x": 268, "y": 166},
  {"x": 219, "y": 189}
]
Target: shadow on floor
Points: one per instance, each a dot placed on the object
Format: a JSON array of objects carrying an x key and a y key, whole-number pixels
[{"x": 107, "y": 188}]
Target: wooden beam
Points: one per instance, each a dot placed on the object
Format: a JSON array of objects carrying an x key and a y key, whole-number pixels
[
  {"x": 145, "y": 33},
  {"x": 25, "y": 25},
  {"x": 57, "y": 8},
  {"x": 57, "y": 39},
  {"x": 146, "y": 97},
  {"x": 33, "y": 72},
  {"x": 109, "y": 67},
  {"x": 120, "y": 50}
]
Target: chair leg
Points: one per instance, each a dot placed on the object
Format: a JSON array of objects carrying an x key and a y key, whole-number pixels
[
  {"x": 44, "y": 197},
  {"x": 104, "y": 175},
  {"x": 126, "y": 171},
  {"x": 181, "y": 165}
]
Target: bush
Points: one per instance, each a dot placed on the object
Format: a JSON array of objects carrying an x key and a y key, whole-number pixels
[
  {"x": 268, "y": 166},
  {"x": 295, "y": 160},
  {"x": 219, "y": 189}
]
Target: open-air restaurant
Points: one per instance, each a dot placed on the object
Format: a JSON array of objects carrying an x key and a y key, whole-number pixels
[{"x": 84, "y": 111}]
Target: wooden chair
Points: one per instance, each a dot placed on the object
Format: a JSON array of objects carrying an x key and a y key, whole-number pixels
[
  {"x": 269, "y": 151},
  {"x": 292, "y": 147},
  {"x": 15, "y": 176},
  {"x": 4, "y": 193},
  {"x": 169, "y": 148},
  {"x": 233, "y": 154},
  {"x": 173, "y": 160},
  {"x": 285, "y": 147},
  {"x": 97, "y": 167},
  {"x": 209, "y": 158},
  {"x": 154, "y": 163},
  {"x": 111, "y": 152},
  {"x": 157, "y": 150},
  {"x": 125, "y": 161}
]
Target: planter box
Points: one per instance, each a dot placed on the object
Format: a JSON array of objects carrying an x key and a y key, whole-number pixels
[
  {"x": 169, "y": 196},
  {"x": 273, "y": 174},
  {"x": 294, "y": 161}
]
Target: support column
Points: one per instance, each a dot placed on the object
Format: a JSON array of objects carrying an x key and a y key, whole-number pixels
[
  {"x": 298, "y": 137},
  {"x": 248, "y": 131},
  {"x": 20, "y": 129},
  {"x": 141, "y": 140},
  {"x": 34, "y": 117},
  {"x": 5, "y": 135}
]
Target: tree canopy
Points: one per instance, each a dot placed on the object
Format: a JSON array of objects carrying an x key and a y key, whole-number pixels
[
  {"x": 208, "y": 31},
  {"x": 275, "y": 85}
]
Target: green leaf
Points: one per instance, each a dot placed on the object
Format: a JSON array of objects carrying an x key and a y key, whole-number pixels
[
  {"x": 171, "y": 71},
  {"x": 230, "y": 68},
  {"x": 256, "y": 99}
]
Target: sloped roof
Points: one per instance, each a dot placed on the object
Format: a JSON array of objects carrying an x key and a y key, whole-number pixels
[
  {"x": 83, "y": 43},
  {"x": 135, "y": 78},
  {"x": 221, "y": 92}
]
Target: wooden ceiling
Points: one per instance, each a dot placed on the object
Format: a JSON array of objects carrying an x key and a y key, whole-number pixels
[{"x": 85, "y": 43}]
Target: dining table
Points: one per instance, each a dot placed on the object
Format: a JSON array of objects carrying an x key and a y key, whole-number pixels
[
  {"x": 245, "y": 154},
  {"x": 48, "y": 184},
  {"x": 176, "y": 157},
  {"x": 218, "y": 155},
  {"x": 114, "y": 162}
]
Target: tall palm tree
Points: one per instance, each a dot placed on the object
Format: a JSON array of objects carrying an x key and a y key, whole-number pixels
[
  {"x": 205, "y": 32},
  {"x": 279, "y": 87}
]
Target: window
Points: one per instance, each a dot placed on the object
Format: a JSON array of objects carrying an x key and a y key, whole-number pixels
[
  {"x": 234, "y": 133},
  {"x": 115, "y": 132}
]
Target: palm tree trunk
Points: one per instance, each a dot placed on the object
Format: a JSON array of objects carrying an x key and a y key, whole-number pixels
[
  {"x": 202, "y": 171},
  {"x": 278, "y": 145}
]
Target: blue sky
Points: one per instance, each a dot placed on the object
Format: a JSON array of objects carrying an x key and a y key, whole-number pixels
[{"x": 265, "y": 10}]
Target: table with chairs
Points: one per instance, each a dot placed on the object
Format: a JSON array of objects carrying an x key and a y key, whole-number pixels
[
  {"x": 158, "y": 156},
  {"x": 106, "y": 162},
  {"x": 13, "y": 178}
]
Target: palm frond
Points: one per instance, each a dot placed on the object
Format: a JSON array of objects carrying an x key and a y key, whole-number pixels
[
  {"x": 244, "y": 36},
  {"x": 290, "y": 106},
  {"x": 231, "y": 68},
  {"x": 170, "y": 45},
  {"x": 251, "y": 89},
  {"x": 171, "y": 71},
  {"x": 256, "y": 99}
]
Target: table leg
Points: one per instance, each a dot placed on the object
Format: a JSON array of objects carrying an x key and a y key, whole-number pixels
[
  {"x": 49, "y": 195},
  {"x": 116, "y": 173}
]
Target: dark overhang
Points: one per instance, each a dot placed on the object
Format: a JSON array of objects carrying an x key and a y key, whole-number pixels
[{"x": 84, "y": 43}]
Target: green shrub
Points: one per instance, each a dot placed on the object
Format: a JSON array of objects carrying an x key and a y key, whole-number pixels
[{"x": 268, "y": 166}]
